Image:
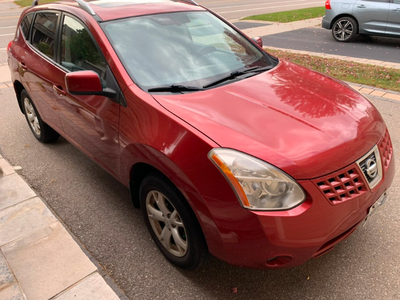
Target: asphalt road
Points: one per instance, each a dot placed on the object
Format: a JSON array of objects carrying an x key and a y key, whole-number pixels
[
  {"x": 320, "y": 40},
  {"x": 9, "y": 15},
  {"x": 97, "y": 209},
  {"x": 236, "y": 9}
]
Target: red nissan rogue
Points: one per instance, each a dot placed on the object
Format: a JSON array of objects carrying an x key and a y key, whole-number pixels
[{"x": 226, "y": 149}]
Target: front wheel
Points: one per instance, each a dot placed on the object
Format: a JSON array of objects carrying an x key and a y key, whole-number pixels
[
  {"x": 40, "y": 130},
  {"x": 344, "y": 29},
  {"x": 172, "y": 224}
]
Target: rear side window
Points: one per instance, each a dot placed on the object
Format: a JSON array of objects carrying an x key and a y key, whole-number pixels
[
  {"x": 44, "y": 32},
  {"x": 26, "y": 25},
  {"x": 78, "y": 49}
]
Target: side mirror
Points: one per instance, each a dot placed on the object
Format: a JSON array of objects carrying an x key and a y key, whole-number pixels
[
  {"x": 258, "y": 41},
  {"x": 86, "y": 83}
]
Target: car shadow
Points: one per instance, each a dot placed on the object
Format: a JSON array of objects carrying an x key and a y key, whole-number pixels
[{"x": 378, "y": 40}]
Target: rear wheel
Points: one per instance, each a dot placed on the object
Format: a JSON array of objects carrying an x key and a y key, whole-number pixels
[
  {"x": 344, "y": 29},
  {"x": 172, "y": 224},
  {"x": 40, "y": 130}
]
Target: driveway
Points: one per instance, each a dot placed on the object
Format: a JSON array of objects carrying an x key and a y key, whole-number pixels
[{"x": 320, "y": 40}]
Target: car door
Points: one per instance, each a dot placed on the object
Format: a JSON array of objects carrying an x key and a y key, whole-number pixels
[
  {"x": 37, "y": 68},
  {"x": 90, "y": 122},
  {"x": 393, "y": 26},
  {"x": 372, "y": 15}
]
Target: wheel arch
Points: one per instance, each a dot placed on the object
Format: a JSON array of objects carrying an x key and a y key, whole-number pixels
[
  {"x": 138, "y": 172},
  {"x": 18, "y": 88}
]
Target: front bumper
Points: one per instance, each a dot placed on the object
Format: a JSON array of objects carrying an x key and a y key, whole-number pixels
[{"x": 289, "y": 238}]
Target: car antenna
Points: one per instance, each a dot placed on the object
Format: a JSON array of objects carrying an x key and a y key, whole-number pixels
[{"x": 35, "y": 2}]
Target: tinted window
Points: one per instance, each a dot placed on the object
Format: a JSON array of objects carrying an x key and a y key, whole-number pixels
[
  {"x": 78, "y": 50},
  {"x": 44, "y": 33},
  {"x": 26, "y": 25}
]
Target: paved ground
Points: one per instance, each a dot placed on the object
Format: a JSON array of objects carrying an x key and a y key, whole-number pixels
[
  {"x": 235, "y": 9},
  {"x": 316, "y": 39},
  {"x": 39, "y": 258}
]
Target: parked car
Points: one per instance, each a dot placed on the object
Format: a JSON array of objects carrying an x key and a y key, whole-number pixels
[
  {"x": 227, "y": 149},
  {"x": 347, "y": 18}
]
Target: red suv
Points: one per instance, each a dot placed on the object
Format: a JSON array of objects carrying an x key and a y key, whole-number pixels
[{"x": 227, "y": 149}]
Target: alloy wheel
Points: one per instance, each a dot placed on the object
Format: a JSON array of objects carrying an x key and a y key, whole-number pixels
[
  {"x": 166, "y": 223},
  {"x": 343, "y": 30},
  {"x": 32, "y": 116}
]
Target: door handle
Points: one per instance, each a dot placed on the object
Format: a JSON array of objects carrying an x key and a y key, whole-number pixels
[
  {"x": 59, "y": 90},
  {"x": 361, "y": 6},
  {"x": 22, "y": 66}
]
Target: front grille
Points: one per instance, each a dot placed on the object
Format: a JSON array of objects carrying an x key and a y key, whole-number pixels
[
  {"x": 371, "y": 167},
  {"x": 353, "y": 181},
  {"x": 342, "y": 185},
  {"x": 386, "y": 150},
  {"x": 364, "y": 167}
]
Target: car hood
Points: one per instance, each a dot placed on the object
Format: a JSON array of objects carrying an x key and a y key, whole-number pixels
[{"x": 303, "y": 122}]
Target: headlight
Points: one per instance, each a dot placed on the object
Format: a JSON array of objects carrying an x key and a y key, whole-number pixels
[{"x": 258, "y": 185}]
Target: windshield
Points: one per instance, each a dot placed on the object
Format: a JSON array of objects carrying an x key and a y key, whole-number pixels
[{"x": 194, "y": 49}]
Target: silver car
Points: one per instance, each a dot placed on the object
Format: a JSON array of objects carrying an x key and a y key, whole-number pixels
[{"x": 347, "y": 18}]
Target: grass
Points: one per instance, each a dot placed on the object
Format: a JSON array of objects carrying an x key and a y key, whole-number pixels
[
  {"x": 290, "y": 16},
  {"x": 380, "y": 77},
  {"x": 24, "y": 3}
]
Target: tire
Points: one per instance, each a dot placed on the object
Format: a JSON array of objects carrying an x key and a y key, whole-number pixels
[
  {"x": 344, "y": 29},
  {"x": 172, "y": 223},
  {"x": 43, "y": 132}
]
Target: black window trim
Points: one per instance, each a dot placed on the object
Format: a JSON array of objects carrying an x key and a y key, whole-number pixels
[
  {"x": 111, "y": 82},
  {"x": 55, "y": 38},
  {"x": 56, "y": 59},
  {"x": 59, "y": 38},
  {"x": 27, "y": 38}
]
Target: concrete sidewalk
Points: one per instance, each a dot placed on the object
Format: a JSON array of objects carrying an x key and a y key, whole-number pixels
[{"x": 39, "y": 258}]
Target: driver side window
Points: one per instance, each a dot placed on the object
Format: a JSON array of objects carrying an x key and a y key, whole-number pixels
[{"x": 78, "y": 49}]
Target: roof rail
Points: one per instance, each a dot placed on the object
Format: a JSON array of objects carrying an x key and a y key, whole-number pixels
[
  {"x": 189, "y": 1},
  {"x": 85, "y": 6},
  {"x": 82, "y": 4}
]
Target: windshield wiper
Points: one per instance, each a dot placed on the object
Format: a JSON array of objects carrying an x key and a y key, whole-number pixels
[
  {"x": 238, "y": 73},
  {"x": 174, "y": 88}
]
